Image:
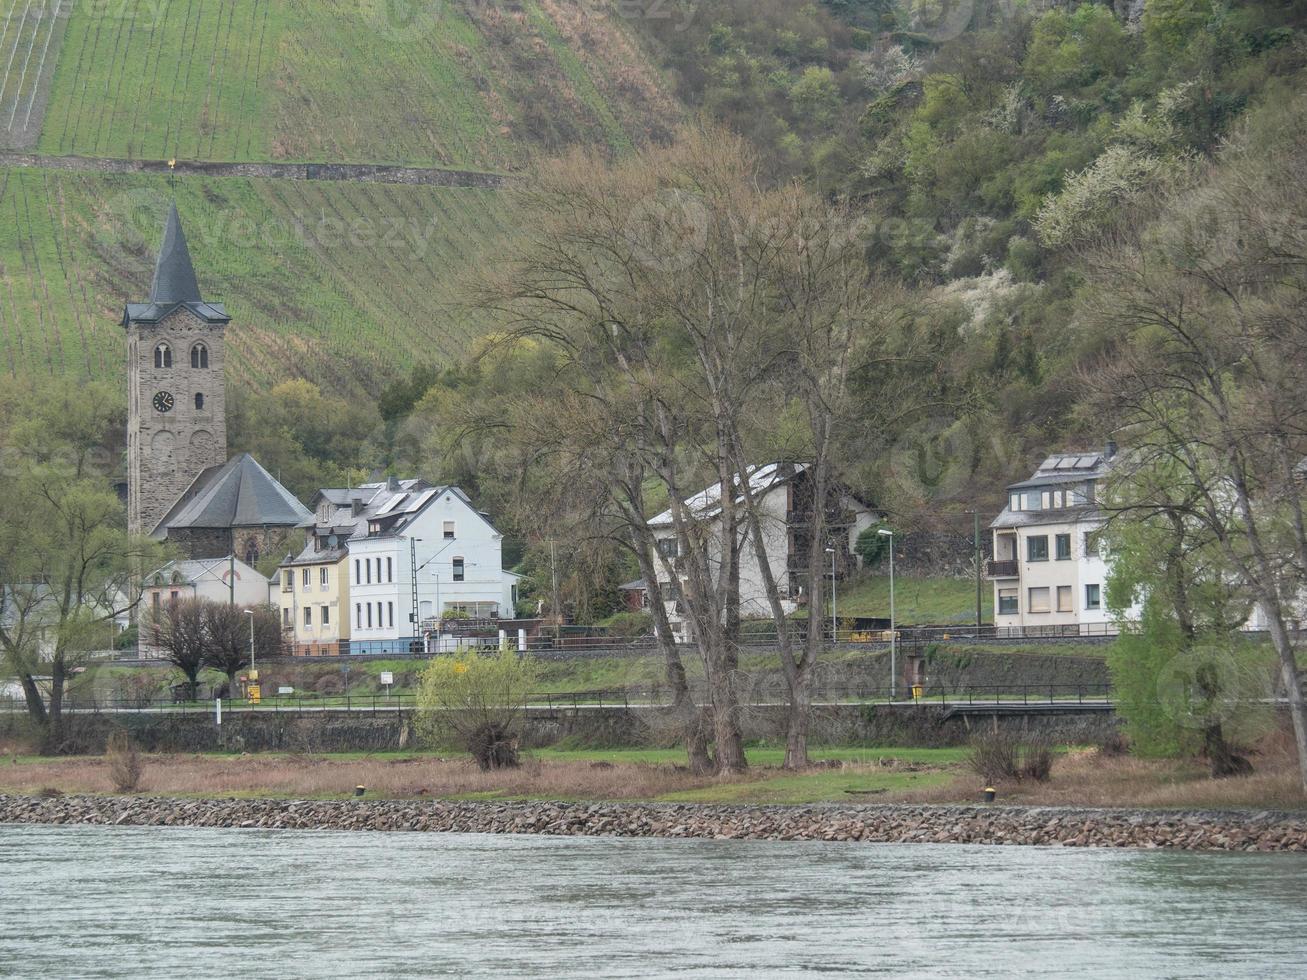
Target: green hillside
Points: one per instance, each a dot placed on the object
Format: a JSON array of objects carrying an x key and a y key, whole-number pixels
[
  {"x": 345, "y": 284},
  {"x": 458, "y": 84}
]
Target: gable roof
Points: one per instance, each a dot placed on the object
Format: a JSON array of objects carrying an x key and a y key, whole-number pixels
[
  {"x": 707, "y": 502},
  {"x": 240, "y": 493},
  {"x": 174, "y": 284},
  {"x": 192, "y": 571}
]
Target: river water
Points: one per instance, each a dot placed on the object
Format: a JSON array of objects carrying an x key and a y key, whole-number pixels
[{"x": 174, "y": 902}]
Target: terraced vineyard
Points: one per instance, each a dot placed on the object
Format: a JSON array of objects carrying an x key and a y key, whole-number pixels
[
  {"x": 477, "y": 85},
  {"x": 29, "y": 35},
  {"x": 341, "y": 283}
]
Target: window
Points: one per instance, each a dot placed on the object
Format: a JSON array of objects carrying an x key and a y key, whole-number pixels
[
  {"x": 1063, "y": 547},
  {"x": 1046, "y": 500},
  {"x": 367, "y": 569},
  {"x": 306, "y": 577},
  {"x": 174, "y": 596},
  {"x": 358, "y": 615},
  {"x": 1057, "y": 498},
  {"x": 1064, "y": 599},
  {"x": 324, "y": 576},
  {"x": 155, "y": 598},
  {"x": 458, "y": 569},
  {"x": 326, "y": 615},
  {"x": 199, "y": 356},
  {"x": 285, "y": 618},
  {"x": 1037, "y": 548},
  {"x": 163, "y": 356},
  {"x": 449, "y": 530},
  {"x": 390, "y": 569},
  {"x": 1014, "y": 501},
  {"x": 380, "y": 622},
  {"x": 358, "y": 574},
  {"x": 1091, "y": 545},
  {"x": 369, "y": 605},
  {"x": 667, "y": 547},
  {"x": 1093, "y": 597},
  {"x": 1007, "y": 602},
  {"x": 1037, "y": 599},
  {"x": 1025, "y": 501},
  {"x": 308, "y": 615},
  {"x": 251, "y": 553},
  {"x": 199, "y": 402},
  {"x": 390, "y": 615}
]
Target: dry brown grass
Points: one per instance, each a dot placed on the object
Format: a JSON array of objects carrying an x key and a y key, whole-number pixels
[
  {"x": 318, "y": 776},
  {"x": 1087, "y": 777}
]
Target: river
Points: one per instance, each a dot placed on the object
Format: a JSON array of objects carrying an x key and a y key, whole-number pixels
[{"x": 174, "y": 902}]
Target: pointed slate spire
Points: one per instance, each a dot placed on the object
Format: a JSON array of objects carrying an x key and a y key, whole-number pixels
[{"x": 174, "y": 276}]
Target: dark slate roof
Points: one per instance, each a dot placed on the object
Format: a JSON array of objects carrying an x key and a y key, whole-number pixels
[
  {"x": 240, "y": 493},
  {"x": 174, "y": 282}
]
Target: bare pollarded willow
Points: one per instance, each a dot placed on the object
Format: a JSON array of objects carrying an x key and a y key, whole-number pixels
[{"x": 689, "y": 309}]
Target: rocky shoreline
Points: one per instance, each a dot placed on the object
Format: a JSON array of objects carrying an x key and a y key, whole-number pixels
[{"x": 883, "y": 823}]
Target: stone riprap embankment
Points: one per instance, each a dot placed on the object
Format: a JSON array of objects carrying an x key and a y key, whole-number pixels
[{"x": 887, "y": 823}]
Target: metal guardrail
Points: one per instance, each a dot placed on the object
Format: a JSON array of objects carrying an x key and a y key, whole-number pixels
[{"x": 652, "y": 695}]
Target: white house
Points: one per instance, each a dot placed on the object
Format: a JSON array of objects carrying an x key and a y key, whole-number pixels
[
  {"x": 1048, "y": 570},
  {"x": 422, "y": 555},
  {"x": 785, "y": 499},
  {"x": 225, "y": 580}
]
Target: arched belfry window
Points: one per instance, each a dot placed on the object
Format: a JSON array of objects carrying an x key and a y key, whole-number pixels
[
  {"x": 251, "y": 552},
  {"x": 163, "y": 356},
  {"x": 199, "y": 356},
  {"x": 199, "y": 401}
]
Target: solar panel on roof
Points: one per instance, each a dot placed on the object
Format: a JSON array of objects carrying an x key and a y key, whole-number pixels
[
  {"x": 1086, "y": 462},
  {"x": 421, "y": 501},
  {"x": 390, "y": 504}
]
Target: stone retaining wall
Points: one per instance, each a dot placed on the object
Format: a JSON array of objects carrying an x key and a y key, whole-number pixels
[
  {"x": 367, "y": 731},
  {"x": 367, "y": 172},
  {"x": 900, "y": 824}
]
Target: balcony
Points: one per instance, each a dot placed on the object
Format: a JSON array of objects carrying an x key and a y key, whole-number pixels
[{"x": 1002, "y": 568}]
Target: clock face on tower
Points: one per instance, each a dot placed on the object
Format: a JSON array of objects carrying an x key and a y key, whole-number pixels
[{"x": 163, "y": 401}]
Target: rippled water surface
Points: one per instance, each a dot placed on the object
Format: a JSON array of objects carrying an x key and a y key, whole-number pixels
[{"x": 128, "y": 902}]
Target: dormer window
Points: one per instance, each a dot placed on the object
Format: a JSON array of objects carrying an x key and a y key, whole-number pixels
[
  {"x": 163, "y": 356},
  {"x": 199, "y": 356}
]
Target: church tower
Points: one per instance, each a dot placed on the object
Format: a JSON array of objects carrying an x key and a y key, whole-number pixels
[{"x": 176, "y": 399}]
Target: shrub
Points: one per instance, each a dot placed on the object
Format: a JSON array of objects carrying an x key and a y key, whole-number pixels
[
  {"x": 125, "y": 766},
  {"x": 993, "y": 757},
  {"x": 1000, "y": 755},
  {"x": 476, "y": 700}
]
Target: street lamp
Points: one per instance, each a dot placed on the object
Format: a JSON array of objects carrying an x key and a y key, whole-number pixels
[
  {"x": 975, "y": 544},
  {"x": 834, "y": 629},
  {"x": 253, "y": 673},
  {"x": 893, "y": 635}
]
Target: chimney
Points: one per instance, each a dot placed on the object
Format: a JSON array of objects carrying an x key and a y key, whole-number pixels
[
  {"x": 1110, "y": 451},
  {"x": 356, "y": 506},
  {"x": 392, "y": 484}
]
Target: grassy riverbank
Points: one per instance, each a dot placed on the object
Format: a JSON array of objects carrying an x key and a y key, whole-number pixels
[{"x": 1081, "y": 777}]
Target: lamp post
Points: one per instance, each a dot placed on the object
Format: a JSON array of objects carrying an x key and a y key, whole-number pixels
[
  {"x": 254, "y": 673},
  {"x": 975, "y": 545},
  {"x": 893, "y": 634},
  {"x": 834, "y": 627}
]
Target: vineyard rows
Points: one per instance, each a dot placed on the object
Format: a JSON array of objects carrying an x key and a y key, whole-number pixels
[
  {"x": 238, "y": 80},
  {"x": 29, "y": 31},
  {"x": 345, "y": 284}
]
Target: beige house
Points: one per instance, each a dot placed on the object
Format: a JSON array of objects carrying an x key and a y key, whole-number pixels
[{"x": 1048, "y": 571}]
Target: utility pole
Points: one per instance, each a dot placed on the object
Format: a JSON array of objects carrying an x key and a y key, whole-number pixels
[
  {"x": 413, "y": 562},
  {"x": 893, "y": 634},
  {"x": 553, "y": 577}
]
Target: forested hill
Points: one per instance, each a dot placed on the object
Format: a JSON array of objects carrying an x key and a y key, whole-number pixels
[
  {"x": 987, "y": 143},
  {"x": 983, "y": 143}
]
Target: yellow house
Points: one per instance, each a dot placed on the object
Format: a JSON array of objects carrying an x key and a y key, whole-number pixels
[
  {"x": 314, "y": 600},
  {"x": 314, "y": 592}
]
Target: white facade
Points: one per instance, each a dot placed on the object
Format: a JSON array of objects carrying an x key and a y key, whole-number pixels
[
  {"x": 773, "y": 486},
  {"x": 1047, "y": 569},
  {"x": 458, "y": 557},
  {"x": 207, "y": 579}
]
